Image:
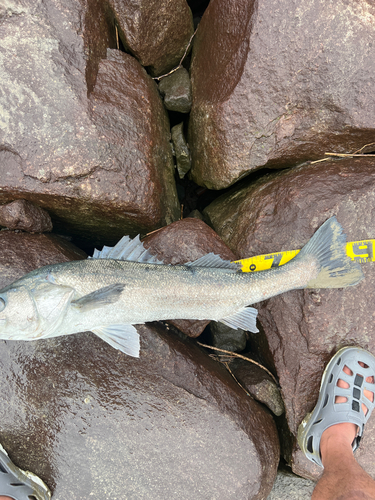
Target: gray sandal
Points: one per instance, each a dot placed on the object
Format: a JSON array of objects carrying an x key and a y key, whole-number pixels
[
  {"x": 327, "y": 412},
  {"x": 18, "y": 484}
]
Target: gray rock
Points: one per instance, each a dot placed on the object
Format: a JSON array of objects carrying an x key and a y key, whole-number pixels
[
  {"x": 259, "y": 384},
  {"x": 176, "y": 90},
  {"x": 288, "y": 486},
  {"x": 85, "y": 137},
  {"x": 269, "y": 87},
  {"x": 181, "y": 150},
  {"x": 303, "y": 328},
  {"x": 224, "y": 337}
]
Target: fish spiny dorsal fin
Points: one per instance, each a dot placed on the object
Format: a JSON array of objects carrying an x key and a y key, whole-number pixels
[
  {"x": 213, "y": 260},
  {"x": 127, "y": 249}
]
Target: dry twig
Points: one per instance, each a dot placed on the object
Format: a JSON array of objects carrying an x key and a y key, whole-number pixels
[
  {"x": 181, "y": 61},
  {"x": 241, "y": 357}
]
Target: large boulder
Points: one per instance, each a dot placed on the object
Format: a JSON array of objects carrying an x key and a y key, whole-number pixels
[
  {"x": 95, "y": 423},
  {"x": 304, "y": 328},
  {"x": 275, "y": 84},
  {"x": 84, "y": 132},
  {"x": 156, "y": 32}
]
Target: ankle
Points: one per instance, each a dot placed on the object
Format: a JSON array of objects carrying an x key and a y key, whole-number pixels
[{"x": 337, "y": 440}]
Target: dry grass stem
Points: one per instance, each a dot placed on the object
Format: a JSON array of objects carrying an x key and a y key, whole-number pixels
[
  {"x": 345, "y": 155},
  {"x": 181, "y": 61},
  {"x": 117, "y": 41},
  {"x": 234, "y": 354}
]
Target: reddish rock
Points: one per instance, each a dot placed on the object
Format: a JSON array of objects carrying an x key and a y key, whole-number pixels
[
  {"x": 305, "y": 328},
  {"x": 156, "y": 32},
  {"x": 95, "y": 423},
  {"x": 89, "y": 139},
  {"x": 21, "y": 253},
  {"x": 24, "y": 215},
  {"x": 275, "y": 85},
  {"x": 184, "y": 241}
]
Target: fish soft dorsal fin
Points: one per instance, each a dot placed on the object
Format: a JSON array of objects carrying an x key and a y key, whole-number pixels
[
  {"x": 245, "y": 319},
  {"x": 213, "y": 260},
  {"x": 127, "y": 249}
]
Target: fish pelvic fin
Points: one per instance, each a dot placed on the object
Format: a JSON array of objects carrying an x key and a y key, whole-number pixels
[
  {"x": 328, "y": 246},
  {"x": 245, "y": 319},
  {"x": 122, "y": 337}
]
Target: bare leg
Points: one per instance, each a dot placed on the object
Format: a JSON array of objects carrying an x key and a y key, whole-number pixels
[{"x": 343, "y": 478}]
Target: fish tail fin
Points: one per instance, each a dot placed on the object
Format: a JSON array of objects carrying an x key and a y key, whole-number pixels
[{"x": 328, "y": 246}]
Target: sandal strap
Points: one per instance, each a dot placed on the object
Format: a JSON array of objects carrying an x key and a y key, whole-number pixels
[
  {"x": 18, "y": 484},
  {"x": 327, "y": 412}
]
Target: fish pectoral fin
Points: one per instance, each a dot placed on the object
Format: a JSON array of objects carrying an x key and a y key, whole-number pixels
[
  {"x": 122, "y": 337},
  {"x": 245, "y": 319},
  {"x": 99, "y": 298}
]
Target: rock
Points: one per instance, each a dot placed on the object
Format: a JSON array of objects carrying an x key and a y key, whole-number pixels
[
  {"x": 156, "y": 33},
  {"x": 268, "y": 86},
  {"x": 259, "y": 384},
  {"x": 304, "y": 328},
  {"x": 176, "y": 90},
  {"x": 40, "y": 249},
  {"x": 181, "y": 150},
  {"x": 183, "y": 241},
  {"x": 288, "y": 486},
  {"x": 90, "y": 142},
  {"x": 224, "y": 337},
  {"x": 182, "y": 427},
  {"x": 24, "y": 215}
]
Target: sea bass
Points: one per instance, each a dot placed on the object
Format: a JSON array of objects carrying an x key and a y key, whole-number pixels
[{"x": 125, "y": 285}]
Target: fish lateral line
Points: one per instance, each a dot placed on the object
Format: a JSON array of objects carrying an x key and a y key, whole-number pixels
[{"x": 361, "y": 251}]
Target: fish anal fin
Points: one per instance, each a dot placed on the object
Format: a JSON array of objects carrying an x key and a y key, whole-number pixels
[
  {"x": 122, "y": 337},
  {"x": 245, "y": 319},
  {"x": 99, "y": 298}
]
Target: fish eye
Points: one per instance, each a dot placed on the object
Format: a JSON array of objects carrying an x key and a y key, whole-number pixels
[{"x": 2, "y": 304}]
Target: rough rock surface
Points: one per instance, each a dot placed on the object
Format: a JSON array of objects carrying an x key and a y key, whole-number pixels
[
  {"x": 278, "y": 84},
  {"x": 176, "y": 91},
  {"x": 156, "y": 32},
  {"x": 288, "y": 486},
  {"x": 224, "y": 337},
  {"x": 21, "y": 253},
  {"x": 259, "y": 384},
  {"x": 101, "y": 165},
  {"x": 304, "y": 328},
  {"x": 95, "y": 423},
  {"x": 184, "y": 241},
  {"x": 24, "y": 215},
  {"x": 181, "y": 150}
]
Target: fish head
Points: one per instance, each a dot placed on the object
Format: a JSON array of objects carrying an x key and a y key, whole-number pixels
[
  {"x": 33, "y": 309},
  {"x": 19, "y": 317}
]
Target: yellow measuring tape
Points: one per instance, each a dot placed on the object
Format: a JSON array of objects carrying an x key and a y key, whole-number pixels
[{"x": 360, "y": 251}]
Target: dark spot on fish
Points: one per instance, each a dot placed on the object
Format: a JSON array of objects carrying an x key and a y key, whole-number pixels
[
  {"x": 147, "y": 268},
  {"x": 192, "y": 269}
]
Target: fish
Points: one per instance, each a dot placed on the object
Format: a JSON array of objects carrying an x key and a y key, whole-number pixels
[{"x": 125, "y": 285}]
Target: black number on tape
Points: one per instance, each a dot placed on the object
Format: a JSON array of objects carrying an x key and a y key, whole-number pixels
[
  {"x": 276, "y": 259},
  {"x": 359, "y": 250}
]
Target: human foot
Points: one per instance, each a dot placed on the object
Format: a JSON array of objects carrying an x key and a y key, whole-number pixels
[{"x": 346, "y": 397}]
